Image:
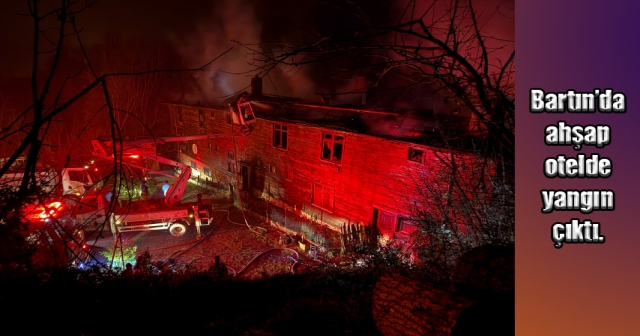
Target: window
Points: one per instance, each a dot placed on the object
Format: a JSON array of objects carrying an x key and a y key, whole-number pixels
[
  {"x": 407, "y": 225},
  {"x": 209, "y": 145},
  {"x": 323, "y": 196},
  {"x": 415, "y": 155},
  {"x": 217, "y": 148},
  {"x": 246, "y": 112},
  {"x": 272, "y": 169},
  {"x": 230, "y": 155},
  {"x": 179, "y": 113},
  {"x": 280, "y": 136},
  {"x": 228, "y": 116},
  {"x": 332, "y": 146},
  {"x": 207, "y": 172},
  {"x": 79, "y": 176},
  {"x": 230, "y": 167},
  {"x": 289, "y": 175},
  {"x": 202, "y": 119},
  {"x": 194, "y": 165},
  {"x": 213, "y": 114}
]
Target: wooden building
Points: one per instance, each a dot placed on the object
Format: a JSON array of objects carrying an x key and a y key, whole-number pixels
[{"x": 334, "y": 164}]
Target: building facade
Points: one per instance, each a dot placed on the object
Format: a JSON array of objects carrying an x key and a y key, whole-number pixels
[{"x": 304, "y": 158}]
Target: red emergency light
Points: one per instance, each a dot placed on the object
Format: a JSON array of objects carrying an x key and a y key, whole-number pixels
[{"x": 50, "y": 210}]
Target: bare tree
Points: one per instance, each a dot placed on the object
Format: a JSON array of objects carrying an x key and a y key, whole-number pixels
[
  {"x": 7, "y": 116},
  {"x": 441, "y": 45},
  {"x": 53, "y": 94},
  {"x": 138, "y": 95},
  {"x": 462, "y": 202},
  {"x": 136, "y": 99}
]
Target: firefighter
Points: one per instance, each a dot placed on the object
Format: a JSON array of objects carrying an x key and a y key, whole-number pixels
[
  {"x": 165, "y": 187},
  {"x": 143, "y": 264},
  {"x": 144, "y": 189},
  {"x": 218, "y": 270},
  {"x": 204, "y": 208},
  {"x": 128, "y": 271},
  {"x": 108, "y": 196}
]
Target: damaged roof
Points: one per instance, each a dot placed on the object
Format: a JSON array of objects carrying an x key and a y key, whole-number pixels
[
  {"x": 420, "y": 126},
  {"x": 414, "y": 126}
]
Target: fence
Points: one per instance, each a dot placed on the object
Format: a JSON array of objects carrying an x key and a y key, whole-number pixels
[
  {"x": 353, "y": 236},
  {"x": 312, "y": 230}
]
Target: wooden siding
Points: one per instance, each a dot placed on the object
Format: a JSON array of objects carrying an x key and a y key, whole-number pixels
[{"x": 374, "y": 172}]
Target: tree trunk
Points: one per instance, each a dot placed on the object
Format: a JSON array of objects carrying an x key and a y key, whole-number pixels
[{"x": 403, "y": 306}]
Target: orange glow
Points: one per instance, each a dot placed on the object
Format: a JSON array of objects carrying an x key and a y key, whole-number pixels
[
  {"x": 134, "y": 156},
  {"x": 50, "y": 210}
]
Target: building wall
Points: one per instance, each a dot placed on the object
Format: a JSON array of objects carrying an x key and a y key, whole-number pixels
[
  {"x": 212, "y": 153},
  {"x": 374, "y": 173}
]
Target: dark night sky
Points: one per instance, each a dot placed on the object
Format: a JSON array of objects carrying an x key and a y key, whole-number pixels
[{"x": 198, "y": 30}]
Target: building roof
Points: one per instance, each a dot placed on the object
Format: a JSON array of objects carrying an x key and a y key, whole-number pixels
[{"x": 417, "y": 126}]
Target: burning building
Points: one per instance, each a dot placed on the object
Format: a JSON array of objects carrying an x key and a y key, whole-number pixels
[{"x": 331, "y": 164}]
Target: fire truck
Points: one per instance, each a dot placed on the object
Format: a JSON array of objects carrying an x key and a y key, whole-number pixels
[
  {"x": 168, "y": 213},
  {"x": 55, "y": 181},
  {"x": 49, "y": 224}
]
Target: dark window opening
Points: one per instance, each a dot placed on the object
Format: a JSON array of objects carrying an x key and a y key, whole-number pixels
[
  {"x": 202, "y": 119},
  {"x": 415, "y": 155},
  {"x": 230, "y": 167},
  {"x": 79, "y": 176},
  {"x": 332, "y": 147},
  {"x": 245, "y": 175},
  {"x": 326, "y": 151},
  {"x": 207, "y": 172},
  {"x": 230, "y": 155},
  {"x": 337, "y": 148},
  {"x": 194, "y": 165},
  {"x": 228, "y": 117},
  {"x": 246, "y": 112},
  {"x": 180, "y": 114},
  {"x": 280, "y": 136},
  {"x": 284, "y": 137},
  {"x": 217, "y": 148},
  {"x": 277, "y": 136}
]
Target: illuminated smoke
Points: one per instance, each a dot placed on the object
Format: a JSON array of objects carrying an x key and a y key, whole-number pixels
[{"x": 233, "y": 20}]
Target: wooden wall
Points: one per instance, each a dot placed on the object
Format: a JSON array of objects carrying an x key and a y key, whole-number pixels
[{"x": 374, "y": 172}]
